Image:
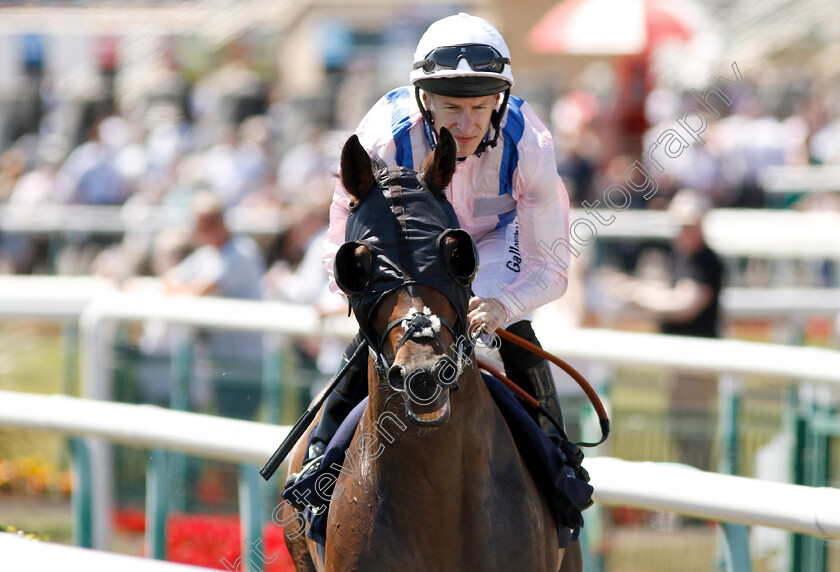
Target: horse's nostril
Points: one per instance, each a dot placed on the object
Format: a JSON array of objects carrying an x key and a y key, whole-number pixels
[
  {"x": 445, "y": 371},
  {"x": 421, "y": 387},
  {"x": 396, "y": 377}
]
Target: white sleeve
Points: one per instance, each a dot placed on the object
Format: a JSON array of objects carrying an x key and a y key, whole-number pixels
[
  {"x": 542, "y": 205},
  {"x": 374, "y": 134},
  {"x": 339, "y": 210}
]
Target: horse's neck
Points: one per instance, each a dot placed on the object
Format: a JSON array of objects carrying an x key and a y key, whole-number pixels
[
  {"x": 452, "y": 498},
  {"x": 443, "y": 455}
]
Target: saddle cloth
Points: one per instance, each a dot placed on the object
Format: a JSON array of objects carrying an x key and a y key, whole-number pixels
[{"x": 566, "y": 495}]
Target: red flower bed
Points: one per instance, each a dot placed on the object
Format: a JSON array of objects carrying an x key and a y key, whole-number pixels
[
  {"x": 213, "y": 541},
  {"x": 130, "y": 521}
]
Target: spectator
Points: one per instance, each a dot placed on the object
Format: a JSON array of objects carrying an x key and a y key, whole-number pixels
[
  {"x": 238, "y": 163},
  {"x": 688, "y": 306},
  {"x": 307, "y": 282},
  {"x": 159, "y": 338},
  {"x": 91, "y": 176},
  {"x": 306, "y": 171},
  {"x": 232, "y": 267},
  {"x": 752, "y": 141},
  {"x": 27, "y": 253},
  {"x": 12, "y": 167}
]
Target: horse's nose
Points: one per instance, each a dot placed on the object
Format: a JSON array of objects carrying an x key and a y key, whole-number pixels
[
  {"x": 396, "y": 377},
  {"x": 421, "y": 386}
]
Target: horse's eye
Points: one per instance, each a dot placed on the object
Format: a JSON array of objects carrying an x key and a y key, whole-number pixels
[
  {"x": 352, "y": 267},
  {"x": 457, "y": 249}
]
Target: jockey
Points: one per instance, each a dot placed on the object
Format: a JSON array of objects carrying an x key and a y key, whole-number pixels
[{"x": 506, "y": 193}]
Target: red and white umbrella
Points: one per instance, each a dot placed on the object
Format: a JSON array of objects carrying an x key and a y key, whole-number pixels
[{"x": 616, "y": 27}]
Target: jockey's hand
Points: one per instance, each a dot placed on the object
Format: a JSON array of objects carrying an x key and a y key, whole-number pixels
[{"x": 486, "y": 312}]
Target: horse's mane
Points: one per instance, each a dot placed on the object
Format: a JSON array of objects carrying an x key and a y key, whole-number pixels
[{"x": 378, "y": 165}]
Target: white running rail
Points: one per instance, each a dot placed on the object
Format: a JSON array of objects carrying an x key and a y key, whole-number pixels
[
  {"x": 26, "y": 554},
  {"x": 653, "y": 486}
]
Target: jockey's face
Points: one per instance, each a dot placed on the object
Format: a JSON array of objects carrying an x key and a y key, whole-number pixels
[{"x": 467, "y": 118}]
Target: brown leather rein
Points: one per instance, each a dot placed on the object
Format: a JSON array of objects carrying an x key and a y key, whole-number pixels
[{"x": 603, "y": 418}]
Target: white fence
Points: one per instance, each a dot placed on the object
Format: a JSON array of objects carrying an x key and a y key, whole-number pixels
[
  {"x": 26, "y": 554},
  {"x": 800, "y": 179},
  {"x": 599, "y": 346},
  {"x": 97, "y": 308},
  {"x": 612, "y": 347},
  {"x": 65, "y": 297},
  {"x": 780, "y": 303},
  {"x": 731, "y": 232},
  {"x": 143, "y": 426},
  {"x": 722, "y": 498},
  {"x": 115, "y": 220}
]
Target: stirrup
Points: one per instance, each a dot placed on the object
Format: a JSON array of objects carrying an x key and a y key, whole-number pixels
[
  {"x": 310, "y": 468},
  {"x": 294, "y": 478},
  {"x": 573, "y": 457},
  {"x": 311, "y": 464}
]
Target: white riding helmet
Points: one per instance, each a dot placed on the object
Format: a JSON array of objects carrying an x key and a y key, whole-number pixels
[{"x": 462, "y": 56}]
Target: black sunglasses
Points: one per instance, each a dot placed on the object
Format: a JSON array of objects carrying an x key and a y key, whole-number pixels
[{"x": 480, "y": 57}]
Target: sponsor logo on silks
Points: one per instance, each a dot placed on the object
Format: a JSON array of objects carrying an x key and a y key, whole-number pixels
[{"x": 515, "y": 260}]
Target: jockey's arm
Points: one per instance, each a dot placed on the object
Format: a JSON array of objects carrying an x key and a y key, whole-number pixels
[
  {"x": 339, "y": 211},
  {"x": 542, "y": 206},
  {"x": 682, "y": 303}
]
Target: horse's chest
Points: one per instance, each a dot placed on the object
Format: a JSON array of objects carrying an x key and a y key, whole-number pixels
[{"x": 495, "y": 531}]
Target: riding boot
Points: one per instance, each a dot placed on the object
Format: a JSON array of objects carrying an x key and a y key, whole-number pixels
[
  {"x": 347, "y": 394},
  {"x": 533, "y": 374},
  {"x": 539, "y": 383}
]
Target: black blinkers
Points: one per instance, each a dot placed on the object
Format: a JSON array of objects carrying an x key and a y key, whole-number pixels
[{"x": 402, "y": 234}]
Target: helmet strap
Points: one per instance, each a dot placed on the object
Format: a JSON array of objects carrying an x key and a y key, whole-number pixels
[
  {"x": 495, "y": 121},
  {"x": 425, "y": 113}
]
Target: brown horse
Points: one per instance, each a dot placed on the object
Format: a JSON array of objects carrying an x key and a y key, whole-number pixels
[{"x": 433, "y": 480}]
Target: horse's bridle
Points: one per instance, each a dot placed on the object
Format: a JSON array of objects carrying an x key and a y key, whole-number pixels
[{"x": 420, "y": 324}]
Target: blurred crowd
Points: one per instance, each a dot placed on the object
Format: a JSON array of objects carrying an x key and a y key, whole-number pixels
[
  {"x": 227, "y": 135},
  {"x": 791, "y": 120},
  {"x": 233, "y": 135},
  {"x": 227, "y": 142},
  {"x": 723, "y": 142}
]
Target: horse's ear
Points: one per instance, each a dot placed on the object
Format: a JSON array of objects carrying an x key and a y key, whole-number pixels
[
  {"x": 438, "y": 169},
  {"x": 356, "y": 169}
]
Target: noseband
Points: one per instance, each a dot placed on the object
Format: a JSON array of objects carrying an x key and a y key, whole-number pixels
[{"x": 424, "y": 324}]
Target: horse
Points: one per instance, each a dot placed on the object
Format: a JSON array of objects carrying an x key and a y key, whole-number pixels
[{"x": 436, "y": 482}]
